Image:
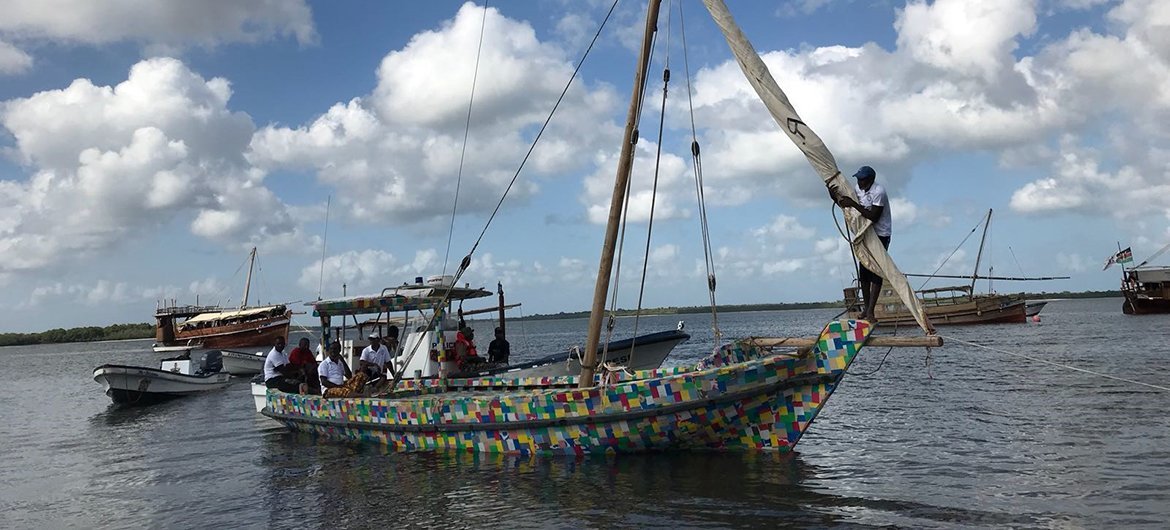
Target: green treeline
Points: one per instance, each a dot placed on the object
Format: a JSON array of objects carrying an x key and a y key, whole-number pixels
[{"x": 85, "y": 334}]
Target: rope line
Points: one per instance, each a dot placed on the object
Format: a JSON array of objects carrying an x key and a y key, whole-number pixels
[
  {"x": 700, "y": 196},
  {"x": 654, "y": 185},
  {"x": 466, "y": 132},
  {"x": 540, "y": 133},
  {"x": 1065, "y": 366},
  {"x": 944, "y": 262},
  {"x": 466, "y": 261}
]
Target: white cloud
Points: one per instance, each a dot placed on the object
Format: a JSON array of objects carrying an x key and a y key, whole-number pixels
[
  {"x": 945, "y": 89},
  {"x": 1074, "y": 262},
  {"x": 675, "y": 185},
  {"x": 782, "y": 228},
  {"x": 369, "y": 270},
  {"x": 1080, "y": 184},
  {"x": 967, "y": 37},
  {"x": 903, "y": 212},
  {"x": 394, "y": 155},
  {"x": 13, "y": 60},
  {"x": 101, "y": 292},
  {"x": 111, "y": 162},
  {"x": 165, "y": 23}
]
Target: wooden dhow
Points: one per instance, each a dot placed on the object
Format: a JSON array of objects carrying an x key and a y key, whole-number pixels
[
  {"x": 179, "y": 327},
  {"x": 1146, "y": 288},
  {"x": 955, "y": 304},
  {"x": 748, "y": 394}
]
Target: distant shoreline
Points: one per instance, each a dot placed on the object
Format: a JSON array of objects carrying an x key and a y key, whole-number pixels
[
  {"x": 786, "y": 306},
  {"x": 120, "y": 332},
  {"x": 82, "y": 334}
]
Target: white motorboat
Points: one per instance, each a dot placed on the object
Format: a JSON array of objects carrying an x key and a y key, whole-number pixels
[
  {"x": 242, "y": 363},
  {"x": 177, "y": 377},
  {"x": 175, "y": 349}
]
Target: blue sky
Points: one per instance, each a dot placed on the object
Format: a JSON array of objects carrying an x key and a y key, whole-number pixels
[{"x": 146, "y": 147}]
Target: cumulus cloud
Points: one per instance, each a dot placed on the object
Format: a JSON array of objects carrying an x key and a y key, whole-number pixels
[
  {"x": 782, "y": 228},
  {"x": 110, "y": 162},
  {"x": 903, "y": 212},
  {"x": 165, "y": 23},
  {"x": 970, "y": 38},
  {"x": 13, "y": 60},
  {"x": 1080, "y": 184},
  {"x": 100, "y": 292},
  {"x": 675, "y": 185},
  {"x": 395, "y": 153},
  {"x": 944, "y": 89},
  {"x": 358, "y": 270}
]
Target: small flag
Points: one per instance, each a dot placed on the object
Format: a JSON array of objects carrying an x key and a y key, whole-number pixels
[{"x": 1125, "y": 256}]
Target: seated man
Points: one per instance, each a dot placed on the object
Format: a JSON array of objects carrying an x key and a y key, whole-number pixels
[
  {"x": 375, "y": 360},
  {"x": 333, "y": 372},
  {"x": 281, "y": 374},
  {"x": 499, "y": 349},
  {"x": 465, "y": 354},
  {"x": 391, "y": 341},
  {"x": 303, "y": 357}
]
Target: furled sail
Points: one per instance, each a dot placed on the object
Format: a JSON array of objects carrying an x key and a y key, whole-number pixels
[{"x": 866, "y": 245}]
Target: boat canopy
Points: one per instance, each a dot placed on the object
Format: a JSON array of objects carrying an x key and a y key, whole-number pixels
[
  {"x": 399, "y": 299},
  {"x": 229, "y": 315}
]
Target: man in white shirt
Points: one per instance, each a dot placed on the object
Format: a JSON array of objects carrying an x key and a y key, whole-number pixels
[
  {"x": 332, "y": 369},
  {"x": 278, "y": 372},
  {"x": 872, "y": 204},
  {"x": 375, "y": 360}
]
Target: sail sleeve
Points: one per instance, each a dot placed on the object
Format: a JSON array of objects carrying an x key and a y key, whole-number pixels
[{"x": 866, "y": 245}]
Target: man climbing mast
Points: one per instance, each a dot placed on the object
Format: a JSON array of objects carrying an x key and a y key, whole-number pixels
[{"x": 872, "y": 204}]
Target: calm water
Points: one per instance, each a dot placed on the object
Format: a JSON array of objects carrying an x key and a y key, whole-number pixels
[{"x": 972, "y": 438}]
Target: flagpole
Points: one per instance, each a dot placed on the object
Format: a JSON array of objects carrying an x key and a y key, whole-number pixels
[{"x": 1122, "y": 264}]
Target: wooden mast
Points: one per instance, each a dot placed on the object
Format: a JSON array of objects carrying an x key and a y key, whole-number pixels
[
  {"x": 975, "y": 275},
  {"x": 625, "y": 163},
  {"x": 248, "y": 282}
]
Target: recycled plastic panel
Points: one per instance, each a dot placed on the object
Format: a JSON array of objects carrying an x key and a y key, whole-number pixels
[{"x": 765, "y": 417}]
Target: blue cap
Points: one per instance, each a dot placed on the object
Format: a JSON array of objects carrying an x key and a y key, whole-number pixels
[{"x": 865, "y": 172}]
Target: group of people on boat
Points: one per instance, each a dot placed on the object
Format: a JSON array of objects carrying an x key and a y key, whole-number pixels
[
  {"x": 466, "y": 356},
  {"x": 299, "y": 372}
]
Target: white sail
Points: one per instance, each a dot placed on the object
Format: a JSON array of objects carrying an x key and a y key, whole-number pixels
[{"x": 866, "y": 245}]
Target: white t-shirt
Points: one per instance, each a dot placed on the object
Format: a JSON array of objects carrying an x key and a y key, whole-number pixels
[
  {"x": 876, "y": 196},
  {"x": 332, "y": 371},
  {"x": 378, "y": 357},
  {"x": 272, "y": 361}
]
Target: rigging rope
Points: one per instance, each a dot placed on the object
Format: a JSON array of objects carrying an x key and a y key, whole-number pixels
[
  {"x": 540, "y": 133},
  {"x": 1059, "y": 365},
  {"x": 700, "y": 196},
  {"x": 654, "y": 186},
  {"x": 466, "y": 261},
  {"x": 944, "y": 262},
  {"x": 466, "y": 131},
  {"x": 324, "y": 245}
]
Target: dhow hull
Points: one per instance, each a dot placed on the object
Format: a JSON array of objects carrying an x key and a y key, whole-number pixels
[{"x": 743, "y": 397}]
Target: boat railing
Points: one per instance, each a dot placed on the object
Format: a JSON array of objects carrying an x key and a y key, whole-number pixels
[{"x": 185, "y": 309}]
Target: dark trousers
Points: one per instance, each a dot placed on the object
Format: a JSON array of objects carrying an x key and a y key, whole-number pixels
[
  {"x": 865, "y": 275},
  {"x": 284, "y": 384}
]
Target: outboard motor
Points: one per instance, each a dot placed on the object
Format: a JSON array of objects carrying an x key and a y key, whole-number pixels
[{"x": 212, "y": 362}]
